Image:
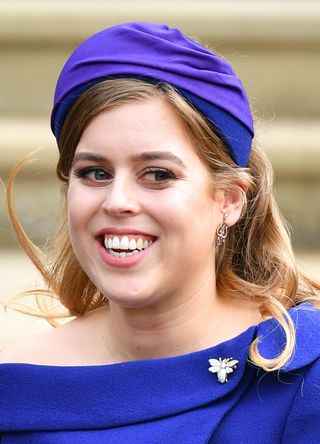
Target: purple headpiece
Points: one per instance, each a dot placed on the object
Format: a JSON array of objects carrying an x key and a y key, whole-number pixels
[{"x": 154, "y": 53}]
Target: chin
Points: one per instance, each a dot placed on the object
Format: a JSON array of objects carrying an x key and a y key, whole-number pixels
[
  {"x": 126, "y": 301},
  {"x": 129, "y": 297}
]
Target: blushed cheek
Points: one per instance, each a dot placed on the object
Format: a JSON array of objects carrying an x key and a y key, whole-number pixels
[
  {"x": 180, "y": 204},
  {"x": 76, "y": 226},
  {"x": 168, "y": 210},
  {"x": 72, "y": 224},
  {"x": 183, "y": 219},
  {"x": 78, "y": 209}
]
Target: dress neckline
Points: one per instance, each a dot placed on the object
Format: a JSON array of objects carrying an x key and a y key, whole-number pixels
[
  {"x": 262, "y": 328},
  {"x": 127, "y": 393},
  {"x": 115, "y": 395},
  {"x": 170, "y": 359}
]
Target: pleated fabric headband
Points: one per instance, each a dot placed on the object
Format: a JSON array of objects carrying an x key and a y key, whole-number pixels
[{"x": 159, "y": 53}]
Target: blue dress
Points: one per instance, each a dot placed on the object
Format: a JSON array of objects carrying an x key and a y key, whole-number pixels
[{"x": 172, "y": 400}]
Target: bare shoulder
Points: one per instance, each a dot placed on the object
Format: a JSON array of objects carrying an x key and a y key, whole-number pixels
[
  {"x": 30, "y": 349},
  {"x": 74, "y": 343}
]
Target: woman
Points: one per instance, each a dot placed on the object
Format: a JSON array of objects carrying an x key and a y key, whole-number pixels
[{"x": 173, "y": 258}]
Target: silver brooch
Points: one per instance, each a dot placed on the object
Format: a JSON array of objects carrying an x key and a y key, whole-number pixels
[{"x": 223, "y": 367}]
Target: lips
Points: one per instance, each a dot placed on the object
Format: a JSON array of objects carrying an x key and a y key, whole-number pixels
[
  {"x": 126, "y": 240},
  {"x": 123, "y": 231},
  {"x": 122, "y": 258}
]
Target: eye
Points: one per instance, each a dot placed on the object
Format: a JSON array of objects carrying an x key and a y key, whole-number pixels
[
  {"x": 160, "y": 175},
  {"x": 93, "y": 174}
]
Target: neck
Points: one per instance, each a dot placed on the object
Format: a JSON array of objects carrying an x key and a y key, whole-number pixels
[{"x": 201, "y": 321}]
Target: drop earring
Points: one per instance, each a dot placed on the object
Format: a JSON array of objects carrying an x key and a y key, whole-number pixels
[{"x": 222, "y": 232}]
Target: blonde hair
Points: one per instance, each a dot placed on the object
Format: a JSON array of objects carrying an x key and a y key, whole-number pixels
[{"x": 256, "y": 261}]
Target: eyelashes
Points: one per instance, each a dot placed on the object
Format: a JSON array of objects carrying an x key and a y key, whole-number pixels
[
  {"x": 97, "y": 174},
  {"x": 100, "y": 176},
  {"x": 161, "y": 172}
]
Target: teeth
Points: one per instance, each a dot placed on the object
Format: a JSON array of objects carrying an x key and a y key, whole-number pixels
[
  {"x": 122, "y": 254},
  {"x": 124, "y": 243},
  {"x": 140, "y": 244},
  {"x": 115, "y": 242},
  {"x": 132, "y": 245}
]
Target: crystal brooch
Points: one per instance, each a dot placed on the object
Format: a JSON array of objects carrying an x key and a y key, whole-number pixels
[{"x": 223, "y": 367}]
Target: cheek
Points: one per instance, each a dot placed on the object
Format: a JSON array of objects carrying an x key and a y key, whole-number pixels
[
  {"x": 81, "y": 206},
  {"x": 190, "y": 208}
]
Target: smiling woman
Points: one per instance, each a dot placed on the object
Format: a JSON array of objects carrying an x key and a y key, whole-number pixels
[
  {"x": 127, "y": 193},
  {"x": 174, "y": 259}
]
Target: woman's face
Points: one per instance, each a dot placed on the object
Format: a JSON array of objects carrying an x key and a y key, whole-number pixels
[{"x": 137, "y": 178}]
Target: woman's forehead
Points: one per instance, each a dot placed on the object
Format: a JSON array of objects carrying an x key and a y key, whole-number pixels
[{"x": 141, "y": 130}]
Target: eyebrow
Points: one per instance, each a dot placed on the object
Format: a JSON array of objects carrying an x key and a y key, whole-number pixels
[{"x": 147, "y": 155}]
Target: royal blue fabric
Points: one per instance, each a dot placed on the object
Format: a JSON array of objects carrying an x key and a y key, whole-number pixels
[
  {"x": 163, "y": 54},
  {"x": 172, "y": 400}
]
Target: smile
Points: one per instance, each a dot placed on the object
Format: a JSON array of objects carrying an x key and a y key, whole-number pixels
[
  {"x": 126, "y": 246},
  {"x": 124, "y": 251}
]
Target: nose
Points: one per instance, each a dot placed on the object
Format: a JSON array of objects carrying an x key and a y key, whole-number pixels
[{"x": 120, "y": 198}]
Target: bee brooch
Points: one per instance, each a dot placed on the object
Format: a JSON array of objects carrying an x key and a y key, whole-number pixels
[{"x": 223, "y": 367}]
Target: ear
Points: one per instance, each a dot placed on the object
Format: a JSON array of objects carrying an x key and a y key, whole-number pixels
[{"x": 233, "y": 203}]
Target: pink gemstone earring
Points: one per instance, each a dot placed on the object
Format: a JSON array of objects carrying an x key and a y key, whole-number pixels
[{"x": 222, "y": 232}]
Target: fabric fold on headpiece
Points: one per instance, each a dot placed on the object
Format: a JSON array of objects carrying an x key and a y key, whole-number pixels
[{"x": 160, "y": 53}]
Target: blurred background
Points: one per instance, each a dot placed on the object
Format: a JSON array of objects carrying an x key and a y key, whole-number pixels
[{"x": 274, "y": 46}]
